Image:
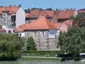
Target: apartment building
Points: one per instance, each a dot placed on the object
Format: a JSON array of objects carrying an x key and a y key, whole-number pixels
[{"x": 11, "y": 16}]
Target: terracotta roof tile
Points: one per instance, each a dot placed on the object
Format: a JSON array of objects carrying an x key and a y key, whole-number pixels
[
  {"x": 65, "y": 14},
  {"x": 41, "y": 24},
  {"x": 34, "y": 13},
  {"x": 67, "y": 22},
  {"x": 43, "y": 13},
  {"x": 27, "y": 15},
  {"x": 49, "y": 13},
  {"x": 81, "y": 11},
  {"x": 10, "y": 9}
]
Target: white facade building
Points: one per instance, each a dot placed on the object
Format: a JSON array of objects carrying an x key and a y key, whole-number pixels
[{"x": 20, "y": 17}]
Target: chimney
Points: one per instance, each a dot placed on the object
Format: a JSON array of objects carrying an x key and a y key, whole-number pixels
[
  {"x": 14, "y": 5},
  {"x": 5, "y": 6},
  {"x": 19, "y": 5},
  {"x": 65, "y": 9},
  {"x": 1, "y": 6},
  {"x": 10, "y": 5}
]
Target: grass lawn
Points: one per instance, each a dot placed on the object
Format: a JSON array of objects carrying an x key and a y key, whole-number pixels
[{"x": 39, "y": 58}]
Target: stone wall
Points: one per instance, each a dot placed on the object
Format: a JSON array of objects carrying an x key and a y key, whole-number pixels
[{"x": 42, "y": 40}]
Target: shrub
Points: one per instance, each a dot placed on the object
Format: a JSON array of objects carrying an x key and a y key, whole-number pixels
[
  {"x": 31, "y": 44},
  {"x": 10, "y": 46}
]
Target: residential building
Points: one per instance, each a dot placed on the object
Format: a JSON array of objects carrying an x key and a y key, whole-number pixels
[
  {"x": 81, "y": 11},
  {"x": 63, "y": 26},
  {"x": 44, "y": 33},
  {"x": 52, "y": 15},
  {"x": 34, "y": 14},
  {"x": 64, "y": 15},
  {"x": 11, "y": 16}
]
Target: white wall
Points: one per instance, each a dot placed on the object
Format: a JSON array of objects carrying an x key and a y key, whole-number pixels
[
  {"x": 22, "y": 34},
  {"x": 53, "y": 33},
  {"x": 20, "y": 17},
  {"x": 75, "y": 13}
]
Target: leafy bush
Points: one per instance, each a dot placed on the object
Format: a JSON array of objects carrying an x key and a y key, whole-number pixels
[
  {"x": 10, "y": 46},
  {"x": 31, "y": 44},
  {"x": 72, "y": 41},
  {"x": 41, "y": 53}
]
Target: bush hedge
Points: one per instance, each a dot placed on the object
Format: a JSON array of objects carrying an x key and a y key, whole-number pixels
[
  {"x": 41, "y": 53},
  {"x": 10, "y": 46}
]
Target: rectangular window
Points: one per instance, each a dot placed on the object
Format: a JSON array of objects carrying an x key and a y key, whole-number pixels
[{"x": 13, "y": 19}]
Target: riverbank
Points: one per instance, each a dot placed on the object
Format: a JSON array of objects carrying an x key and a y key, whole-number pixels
[{"x": 39, "y": 58}]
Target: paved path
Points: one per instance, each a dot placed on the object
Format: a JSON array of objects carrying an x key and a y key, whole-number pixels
[{"x": 37, "y": 57}]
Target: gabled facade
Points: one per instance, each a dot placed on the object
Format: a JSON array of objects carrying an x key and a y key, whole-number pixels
[{"x": 20, "y": 17}]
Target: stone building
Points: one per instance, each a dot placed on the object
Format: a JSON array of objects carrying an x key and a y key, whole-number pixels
[{"x": 44, "y": 33}]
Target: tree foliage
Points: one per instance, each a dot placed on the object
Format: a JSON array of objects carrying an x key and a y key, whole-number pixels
[
  {"x": 10, "y": 46},
  {"x": 0, "y": 26},
  {"x": 50, "y": 9},
  {"x": 27, "y": 10},
  {"x": 72, "y": 41},
  {"x": 79, "y": 20},
  {"x": 31, "y": 44}
]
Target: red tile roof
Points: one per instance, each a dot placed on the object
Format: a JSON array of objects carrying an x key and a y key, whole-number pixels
[
  {"x": 49, "y": 13},
  {"x": 43, "y": 13},
  {"x": 65, "y": 14},
  {"x": 58, "y": 25},
  {"x": 81, "y": 11},
  {"x": 27, "y": 15},
  {"x": 34, "y": 13},
  {"x": 67, "y": 22},
  {"x": 9, "y": 9},
  {"x": 41, "y": 24}
]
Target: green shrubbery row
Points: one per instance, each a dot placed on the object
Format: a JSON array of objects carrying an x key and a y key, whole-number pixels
[
  {"x": 42, "y": 53},
  {"x": 34, "y": 51}
]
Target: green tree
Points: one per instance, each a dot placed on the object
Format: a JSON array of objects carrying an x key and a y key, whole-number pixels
[
  {"x": 31, "y": 44},
  {"x": 0, "y": 26},
  {"x": 10, "y": 46},
  {"x": 79, "y": 20},
  {"x": 50, "y": 9},
  {"x": 27, "y": 10},
  {"x": 72, "y": 41}
]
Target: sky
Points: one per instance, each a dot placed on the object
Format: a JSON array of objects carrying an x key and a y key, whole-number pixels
[{"x": 59, "y": 4}]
